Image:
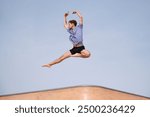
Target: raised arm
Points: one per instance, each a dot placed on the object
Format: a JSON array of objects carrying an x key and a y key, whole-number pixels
[
  {"x": 79, "y": 15},
  {"x": 65, "y": 20}
]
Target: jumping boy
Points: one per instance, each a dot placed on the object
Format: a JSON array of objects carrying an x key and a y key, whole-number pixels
[{"x": 76, "y": 37}]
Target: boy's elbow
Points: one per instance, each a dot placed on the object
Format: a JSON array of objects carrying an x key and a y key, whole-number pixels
[
  {"x": 81, "y": 20},
  {"x": 65, "y": 26},
  {"x": 81, "y": 17}
]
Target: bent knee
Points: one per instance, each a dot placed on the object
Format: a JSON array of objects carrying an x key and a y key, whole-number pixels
[{"x": 86, "y": 55}]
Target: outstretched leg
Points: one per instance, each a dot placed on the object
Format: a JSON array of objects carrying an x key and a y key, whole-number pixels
[{"x": 63, "y": 57}]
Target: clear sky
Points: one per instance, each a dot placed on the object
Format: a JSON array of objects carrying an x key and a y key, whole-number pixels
[{"x": 117, "y": 33}]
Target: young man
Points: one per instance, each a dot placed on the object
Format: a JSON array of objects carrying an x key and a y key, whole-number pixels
[{"x": 76, "y": 37}]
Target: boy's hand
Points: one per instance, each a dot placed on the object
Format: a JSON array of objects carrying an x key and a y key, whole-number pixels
[
  {"x": 66, "y": 14},
  {"x": 74, "y": 12},
  {"x": 79, "y": 15}
]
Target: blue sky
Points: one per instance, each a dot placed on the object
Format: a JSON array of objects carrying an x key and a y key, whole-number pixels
[{"x": 116, "y": 32}]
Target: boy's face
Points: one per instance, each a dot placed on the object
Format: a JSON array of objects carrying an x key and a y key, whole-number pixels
[{"x": 71, "y": 25}]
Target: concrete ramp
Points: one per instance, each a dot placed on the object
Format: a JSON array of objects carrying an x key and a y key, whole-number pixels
[{"x": 76, "y": 93}]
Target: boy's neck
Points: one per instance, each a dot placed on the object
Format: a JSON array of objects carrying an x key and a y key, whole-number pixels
[{"x": 73, "y": 27}]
